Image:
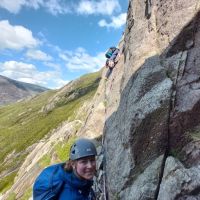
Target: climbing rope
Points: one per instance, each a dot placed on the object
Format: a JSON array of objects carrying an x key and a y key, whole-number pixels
[
  {"x": 105, "y": 193},
  {"x": 103, "y": 147}
]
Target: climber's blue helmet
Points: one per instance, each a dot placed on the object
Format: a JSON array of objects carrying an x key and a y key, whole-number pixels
[{"x": 82, "y": 148}]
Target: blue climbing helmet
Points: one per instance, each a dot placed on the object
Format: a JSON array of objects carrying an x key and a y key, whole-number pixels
[{"x": 82, "y": 148}]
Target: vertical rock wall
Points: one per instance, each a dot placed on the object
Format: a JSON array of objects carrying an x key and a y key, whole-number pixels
[{"x": 152, "y": 139}]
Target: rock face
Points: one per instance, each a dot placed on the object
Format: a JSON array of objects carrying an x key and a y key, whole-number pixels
[{"x": 152, "y": 140}]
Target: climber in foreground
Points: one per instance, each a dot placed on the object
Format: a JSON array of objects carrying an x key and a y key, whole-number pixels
[
  {"x": 71, "y": 180},
  {"x": 112, "y": 56}
]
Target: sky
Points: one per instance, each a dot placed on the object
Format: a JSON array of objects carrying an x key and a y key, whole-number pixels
[{"x": 51, "y": 42}]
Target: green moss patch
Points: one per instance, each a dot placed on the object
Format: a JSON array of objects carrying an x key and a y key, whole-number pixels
[
  {"x": 45, "y": 161},
  {"x": 27, "y": 194},
  {"x": 62, "y": 149},
  {"x": 12, "y": 196},
  {"x": 7, "y": 182},
  {"x": 196, "y": 135}
]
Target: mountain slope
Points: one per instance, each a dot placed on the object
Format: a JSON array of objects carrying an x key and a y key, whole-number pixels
[
  {"x": 148, "y": 111},
  {"x": 12, "y": 91},
  {"x": 25, "y": 123}
]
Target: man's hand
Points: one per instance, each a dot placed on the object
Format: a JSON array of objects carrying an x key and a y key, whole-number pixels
[{"x": 111, "y": 63}]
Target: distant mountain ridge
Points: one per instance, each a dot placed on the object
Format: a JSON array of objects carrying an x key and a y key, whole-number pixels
[{"x": 12, "y": 90}]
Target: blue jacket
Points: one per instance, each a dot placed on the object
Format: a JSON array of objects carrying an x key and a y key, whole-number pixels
[
  {"x": 114, "y": 55},
  {"x": 56, "y": 184}
]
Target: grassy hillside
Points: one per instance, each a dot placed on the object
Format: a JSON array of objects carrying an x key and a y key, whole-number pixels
[{"x": 23, "y": 124}]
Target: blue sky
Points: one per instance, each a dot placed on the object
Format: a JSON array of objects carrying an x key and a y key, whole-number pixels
[{"x": 51, "y": 42}]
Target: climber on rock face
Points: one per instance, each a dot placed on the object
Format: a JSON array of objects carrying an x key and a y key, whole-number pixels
[
  {"x": 71, "y": 180},
  {"x": 112, "y": 56}
]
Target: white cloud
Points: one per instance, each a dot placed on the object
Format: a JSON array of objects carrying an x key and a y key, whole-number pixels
[
  {"x": 22, "y": 72},
  {"x": 28, "y": 73},
  {"x": 81, "y": 60},
  {"x": 56, "y": 7},
  {"x": 15, "y": 37},
  {"x": 10, "y": 66},
  {"x": 105, "y": 7},
  {"x": 116, "y": 22},
  {"x": 33, "y": 3},
  {"x": 38, "y": 55},
  {"x": 53, "y": 6},
  {"x": 12, "y": 6},
  {"x": 60, "y": 83}
]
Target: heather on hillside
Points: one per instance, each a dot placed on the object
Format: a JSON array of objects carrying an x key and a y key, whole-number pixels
[{"x": 23, "y": 123}]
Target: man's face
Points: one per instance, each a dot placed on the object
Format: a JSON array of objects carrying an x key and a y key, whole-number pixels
[{"x": 86, "y": 167}]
